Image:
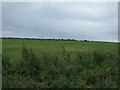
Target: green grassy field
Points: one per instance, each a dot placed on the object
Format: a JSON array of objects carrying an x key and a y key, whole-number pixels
[
  {"x": 59, "y": 64},
  {"x": 12, "y": 47}
]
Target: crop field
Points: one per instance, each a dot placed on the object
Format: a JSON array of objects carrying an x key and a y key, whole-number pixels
[{"x": 59, "y": 64}]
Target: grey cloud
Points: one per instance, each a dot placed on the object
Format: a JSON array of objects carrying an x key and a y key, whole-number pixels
[{"x": 93, "y": 21}]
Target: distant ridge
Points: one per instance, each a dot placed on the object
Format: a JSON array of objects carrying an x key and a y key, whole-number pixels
[
  {"x": 29, "y": 38},
  {"x": 37, "y": 38}
]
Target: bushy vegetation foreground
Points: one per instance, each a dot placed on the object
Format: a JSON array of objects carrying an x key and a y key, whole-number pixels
[{"x": 95, "y": 69}]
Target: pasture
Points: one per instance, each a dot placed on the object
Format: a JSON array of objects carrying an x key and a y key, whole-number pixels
[
  {"x": 12, "y": 47},
  {"x": 59, "y": 64}
]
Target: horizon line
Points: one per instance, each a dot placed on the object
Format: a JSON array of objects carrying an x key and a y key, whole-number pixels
[{"x": 71, "y": 39}]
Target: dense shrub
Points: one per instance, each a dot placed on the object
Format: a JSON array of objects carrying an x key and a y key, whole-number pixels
[{"x": 87, "y": 70}]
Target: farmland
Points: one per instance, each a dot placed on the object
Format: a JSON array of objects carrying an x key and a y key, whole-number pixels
[{"x": 59, "y": 64}]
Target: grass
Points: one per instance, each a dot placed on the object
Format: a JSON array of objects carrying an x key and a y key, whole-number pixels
[
  {"x": 59, "y": 64},
  {"x": 52, "y": 46}
]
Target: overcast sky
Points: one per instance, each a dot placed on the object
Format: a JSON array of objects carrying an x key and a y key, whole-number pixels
[{"x": 78, "y": 20}]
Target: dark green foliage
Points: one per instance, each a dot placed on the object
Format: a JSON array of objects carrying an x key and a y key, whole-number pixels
[
  {"x": 86, "y": 70},
  {"x": 98, "y": 57},
  {"x": 6, "y": 63}
]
